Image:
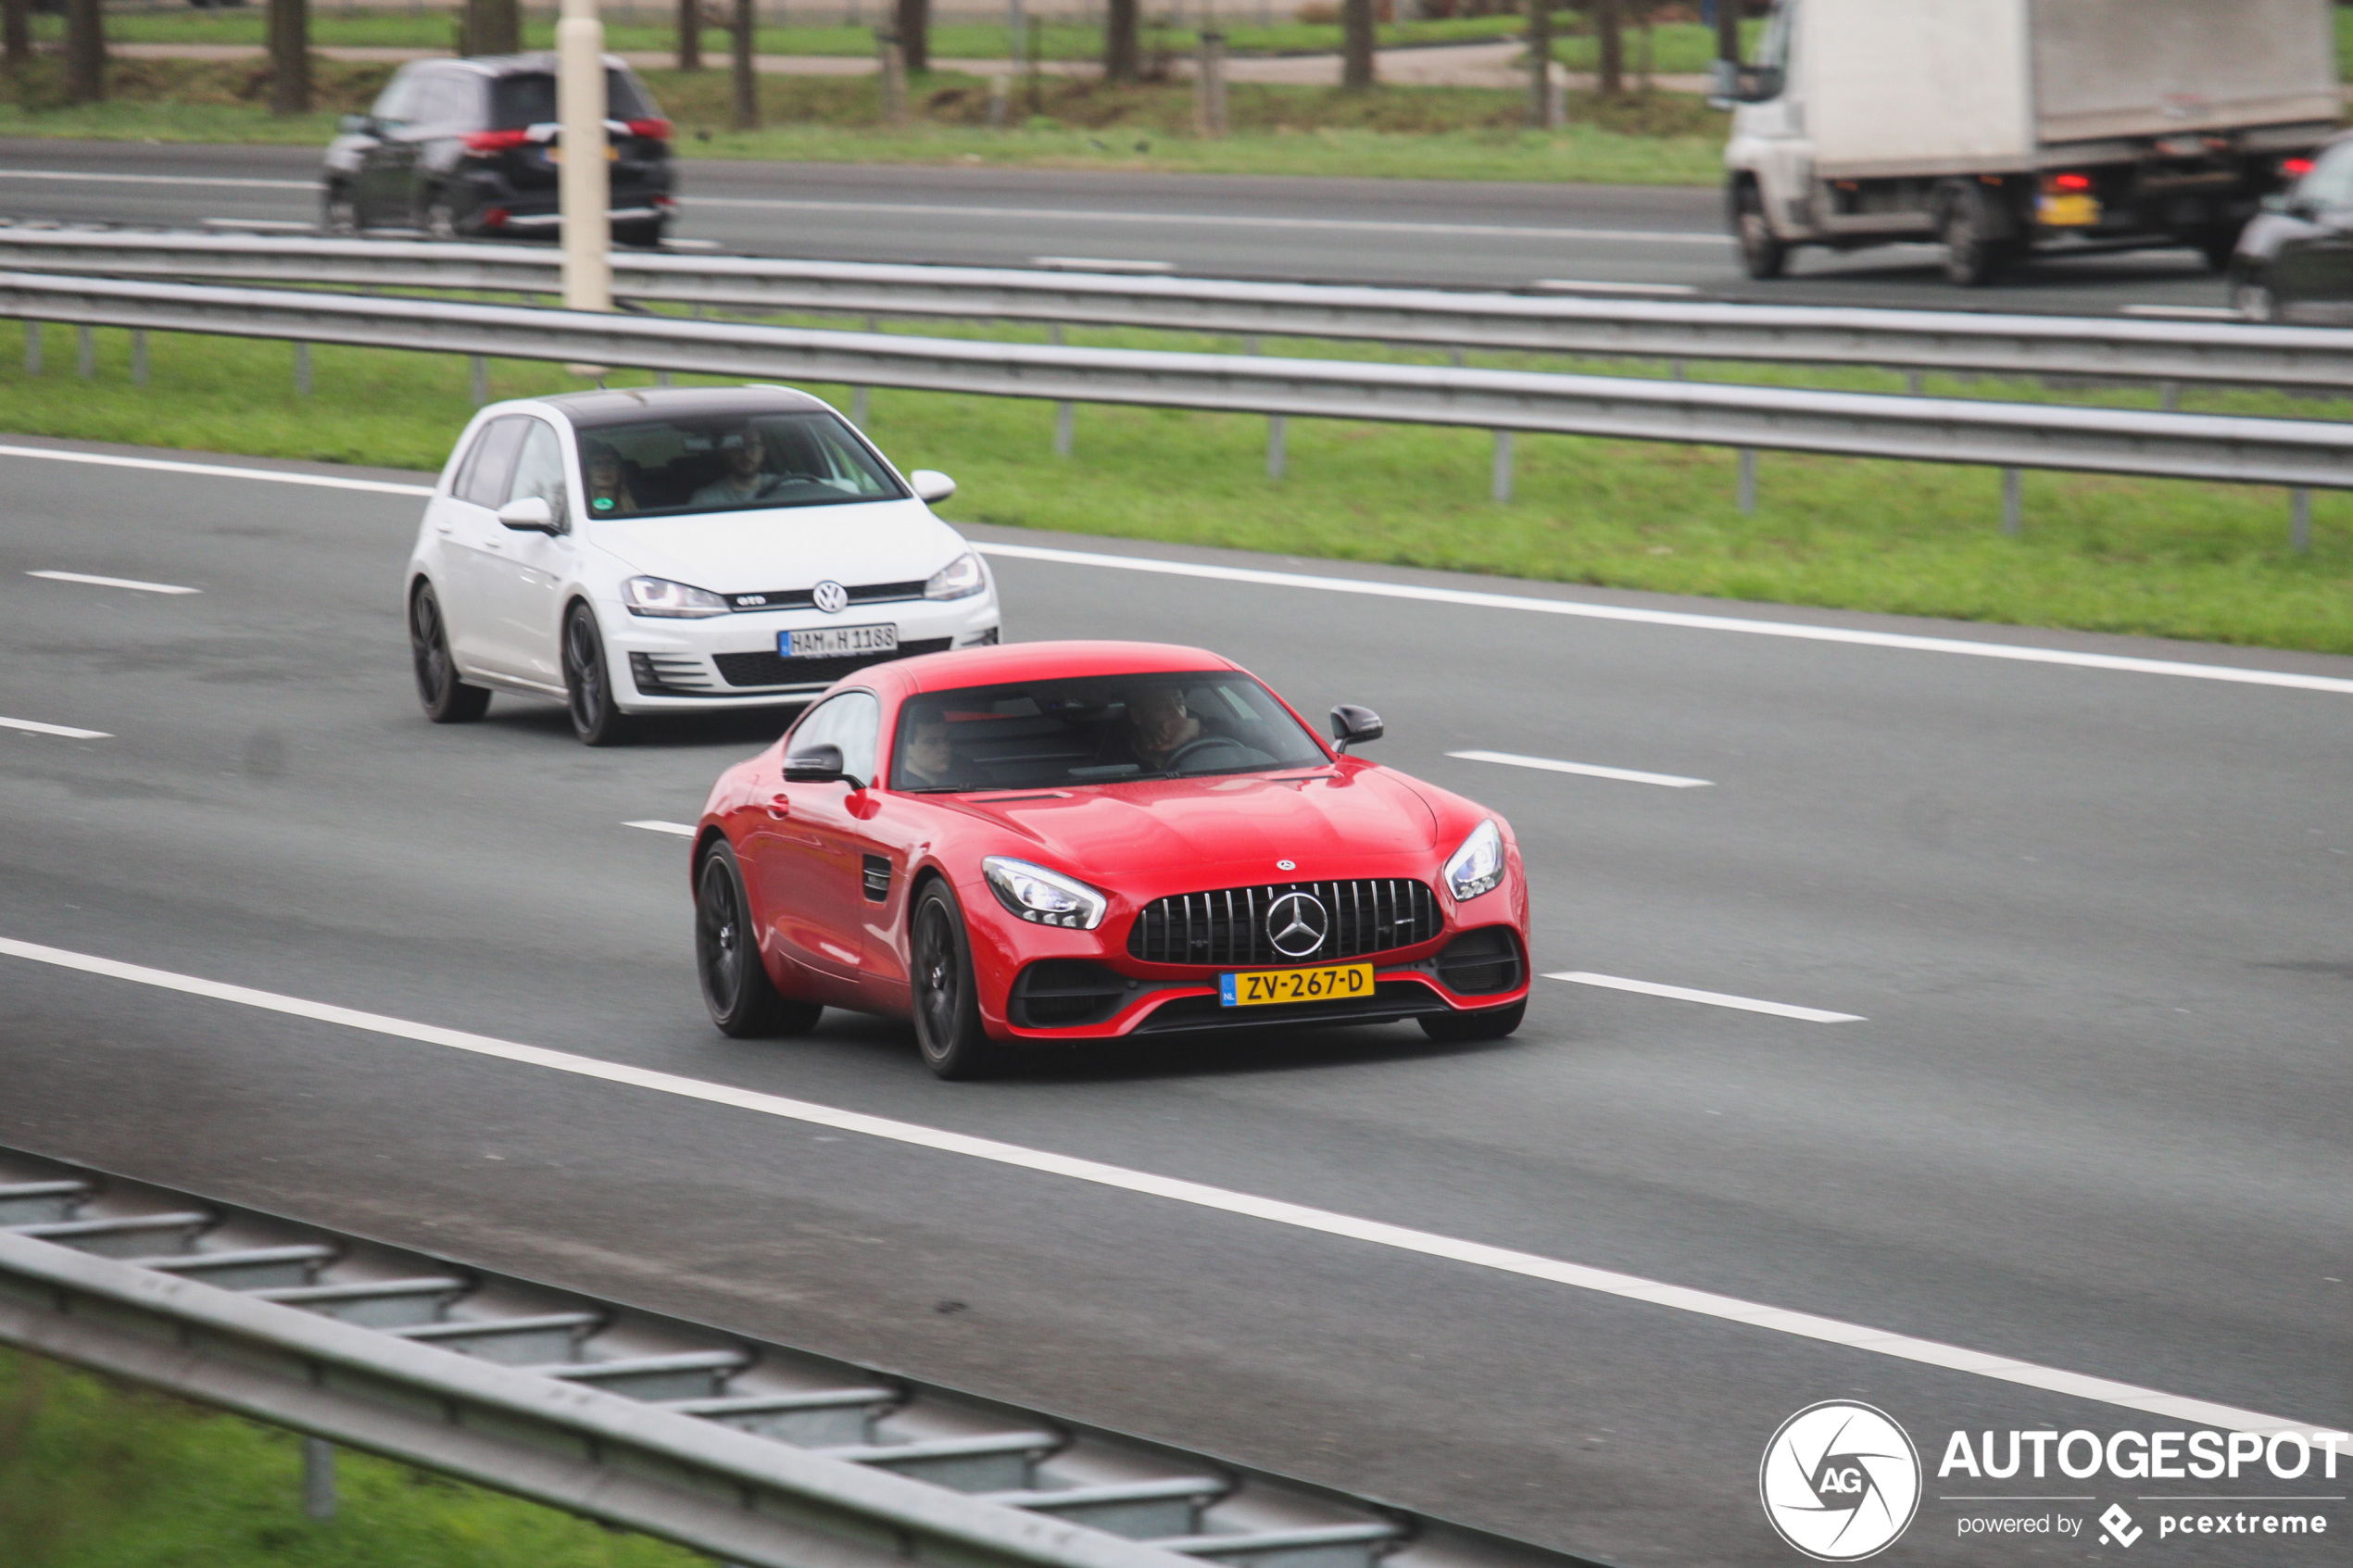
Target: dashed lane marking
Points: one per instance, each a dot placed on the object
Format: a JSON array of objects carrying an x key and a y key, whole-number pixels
[
  {"x": 1590, "y": 770},
  {"x": 1713, "y": 998},
  {"x": 683, "y": 830},
  {"x": 114, "y": 582},
  {"x": 34, "y": 727}
]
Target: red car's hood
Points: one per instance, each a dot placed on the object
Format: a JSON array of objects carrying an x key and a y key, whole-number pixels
[{"x": 1182, "y": 833}]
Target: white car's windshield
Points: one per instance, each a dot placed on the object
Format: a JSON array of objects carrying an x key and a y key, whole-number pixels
[
  {"x": 1100, "y": 729},
  {"x": 725, "y": 463}
]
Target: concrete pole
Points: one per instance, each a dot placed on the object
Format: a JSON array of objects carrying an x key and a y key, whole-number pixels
[{"x": 584, "y": 187}]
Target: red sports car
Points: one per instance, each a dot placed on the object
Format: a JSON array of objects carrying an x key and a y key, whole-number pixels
[{"x": 1084, "y": 841}]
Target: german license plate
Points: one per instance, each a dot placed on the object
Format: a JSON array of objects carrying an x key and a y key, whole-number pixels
[
  {"x": 555, "y": 155},
  {"x": 833, "y": 641},
  {"x": 2069, "y": 211},
  {"x": 1258, "y": 987}
]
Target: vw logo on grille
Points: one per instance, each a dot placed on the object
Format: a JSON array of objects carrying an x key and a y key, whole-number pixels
[
  {"x": 1297, "y": 924},
  {"x": 831, "y": 596}
]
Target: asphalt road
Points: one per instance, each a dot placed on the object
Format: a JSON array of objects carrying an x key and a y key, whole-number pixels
[
  {"x": 2094, "y": 1116},
  {"x": 1467, "y": 233}
]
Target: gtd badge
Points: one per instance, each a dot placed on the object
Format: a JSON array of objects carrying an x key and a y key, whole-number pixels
[{"x": 1840, "y": 1481}]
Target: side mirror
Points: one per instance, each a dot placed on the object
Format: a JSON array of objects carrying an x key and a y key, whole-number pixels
[
  {"x": 528, "y": 514},
  {"x": 819, "y": 764},
  {"x": 1353, "y": 725},
  {"x": 356, "y": 125},
  {"x": 931, "y": 486},
  {"x": 1737, "y": 84}
]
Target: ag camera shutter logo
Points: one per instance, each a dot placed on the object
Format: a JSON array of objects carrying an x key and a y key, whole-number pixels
[{"x": 1840, "y": 1481}]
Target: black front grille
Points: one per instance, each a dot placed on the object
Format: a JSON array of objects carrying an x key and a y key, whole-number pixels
[
  {"x": 1231, "y": 926},
  {"x": 803, "y": 599},
  {"x": 767, "y": 667}
]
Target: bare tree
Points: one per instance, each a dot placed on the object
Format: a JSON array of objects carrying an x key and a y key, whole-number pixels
[
  {"x": 86, "y": 52},
  {"x": 747, "y": 78},
  {"x": 289, "y": 57},
  {"x": 690, "y": 20},
  {"x": 1122, "y": 57},
  {"x": 493, "y": 27},
  {"x": 1356, "y": 45},
  {"x": 1609, "y": 27},
  {"x": 914, "y": 33},
  {"x": 16, "y": 33}
]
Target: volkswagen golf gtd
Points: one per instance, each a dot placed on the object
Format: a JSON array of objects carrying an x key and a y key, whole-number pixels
[
  {"x": 677, "y": 549},
  {"x": 1081, "y": 842}
]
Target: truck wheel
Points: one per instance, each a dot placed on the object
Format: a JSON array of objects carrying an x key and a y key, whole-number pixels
[
  {"x": 1973, "y": 257},
  {"x": 2218, "y": 244},
  {"x": 1763, "y": 254}
]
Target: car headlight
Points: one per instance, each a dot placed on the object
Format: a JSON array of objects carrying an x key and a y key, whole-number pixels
[
  {"x": 1477, "y": 866},
  {"x": 1041, "y": 896},
  {"x": 658, "y": 595},
  {"x": 959, "y": 579}
]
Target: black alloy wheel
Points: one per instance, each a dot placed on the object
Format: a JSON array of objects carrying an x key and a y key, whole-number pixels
[
  {"x": 948, "y": 1027},
  {"x": 1973, "y": 257},
  {"x": 1486, "y": 1024},
  {"x": 447, "y": 699},
  {"x": 338, "y": 213},
  {"x": 588, "y": 684},
  {"x": 1763, "y": 253},
  {"x": 743, "y": 1001}
]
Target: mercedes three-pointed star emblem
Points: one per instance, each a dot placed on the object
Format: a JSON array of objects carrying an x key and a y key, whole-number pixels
[{"x": 1297, "y": 924}]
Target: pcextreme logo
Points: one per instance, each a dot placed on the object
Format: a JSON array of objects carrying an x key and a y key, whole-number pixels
[{"x": 1840, "y": 1481}]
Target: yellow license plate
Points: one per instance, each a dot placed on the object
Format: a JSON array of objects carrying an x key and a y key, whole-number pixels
[
  {"x": 555, "y": 155},
  {"x": 1258, "y": 987},
  {"x": 2068, "y": 212}
]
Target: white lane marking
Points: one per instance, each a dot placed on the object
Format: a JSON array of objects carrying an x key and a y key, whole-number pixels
[
  {"x": 668, "y": 244},
  {"x": 218, "y": 470},
  {"x": 156, "y": 179},
  {"x": 1208, "y": 220},
  {"x": 1590, "y": 770},
  {"x": 1580, "y": 286},
  {"x": 1099, "y": 264},
  {"x": 2186, "y": 312},
  {"x": 262, "y": 225},
  {"x": 113, "y": 582},
  {"x": 683, "y": 830},
  {"x": 1713, "y": 998},
  {"x": 1272, "y": 1210},
  {"x": 1674, "y": 617},
  {"x": 34, "y": 727}
]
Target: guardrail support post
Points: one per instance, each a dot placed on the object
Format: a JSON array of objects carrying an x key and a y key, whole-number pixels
[
  {"x": 1912, "y": 380},
  {"x": 138, "y": 357},
  {"x": 1746, "y": 492},
  {"x": 478, "y": 379},
  {"x": 1502, "y": 487},
  {"x": 33, "y": 348},
  {"x": 302, "y": 370},
  {"x": 1065, "y": 416},
  {"x": 2300, "y": 525},
  {"x": 2011, "y": 484},
  {"x": 2171, "y": 397},
  {"x": 1276, "y": 425},
  {"x": 86, "y": 352},
  {"x": 861, "y": 405},
  {"x": 318, "y": 1478}
]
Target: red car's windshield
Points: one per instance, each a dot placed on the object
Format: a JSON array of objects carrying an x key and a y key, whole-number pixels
[{"x": 1096, "y": 729}]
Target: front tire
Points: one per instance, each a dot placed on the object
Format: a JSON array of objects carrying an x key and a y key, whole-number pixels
[
  {"x": 1973, "y": 256},
  {"x": 447, "y": 700},
  {"x": 338, "y": 212},
  {"x": 1764, "y": 256},
  {"x": 588, "y": 694},
  {"x": 437, "y": 218},
  {"x": 2254, "y": 300},
  {"x": 743, "y": 1001},
  {"x": 946, "y": 1003},
  {"x": 1487, "y": 1024},
  {"x": 641, "y": 236}
]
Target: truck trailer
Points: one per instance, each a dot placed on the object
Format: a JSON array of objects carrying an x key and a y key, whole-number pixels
[{"x": 2010, "y": 128}]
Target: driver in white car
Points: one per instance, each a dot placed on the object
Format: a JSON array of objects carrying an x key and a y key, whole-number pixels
[{"x": 745, "y": 479}]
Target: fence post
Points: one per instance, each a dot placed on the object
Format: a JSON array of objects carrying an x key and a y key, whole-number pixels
[
  {"x": 891, "y": 62},
  {"x": 302, "y": 370},
  {"x": 1277, "y": 428},
  {"x": 2011, "y": 483},
  {"x": 33, "y": 348},
  {"x": 2300, "y": 526},
  {"x": 318, "y": 1478},
  {"x": 86, "y": 352},
  {"x": 138, "y": 356},
  {"x": 1747, "y": 488},
  {"x": 1501, "y": 489}
]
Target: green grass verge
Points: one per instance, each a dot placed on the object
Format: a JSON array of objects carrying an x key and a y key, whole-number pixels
[
  {"x": 1060, "y": 122},
  {"x": 94, "y": 1474},
  {"x": 2166, "y": 559}
]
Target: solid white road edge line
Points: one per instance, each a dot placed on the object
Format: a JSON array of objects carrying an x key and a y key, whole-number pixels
[
  {"x": 1477, "y": 600},
  {"x": 1590, "y": 770},
  {"x": 32, "y": 726},
  {"x": 683, "y": 830},
  {"x": 113, "y": 582},
  {"x": 1272, "y": 1210},
  {"x": 1713, "y": 998},
  {"x": 1403, "y": 591},
  {"x": 155, "y": 180},
  {"x": 1583, "y": 285}
]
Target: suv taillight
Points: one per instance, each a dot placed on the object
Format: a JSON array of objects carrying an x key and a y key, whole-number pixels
[
  {"x": 2294, "y": 167},
  {"x": 657, "y": 129},
  {"x": 481, "y": 142}
]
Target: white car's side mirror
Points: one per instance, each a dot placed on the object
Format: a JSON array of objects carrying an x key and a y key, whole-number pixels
[
  {"x": 931, "y": 485},
  {"x": 528, "y": 514}
]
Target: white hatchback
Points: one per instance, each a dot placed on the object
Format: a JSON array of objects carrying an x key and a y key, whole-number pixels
[{"x": 678, "y": 550}]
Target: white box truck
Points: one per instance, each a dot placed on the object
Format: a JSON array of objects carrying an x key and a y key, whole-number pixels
[{"x": 2010, "y": 127}]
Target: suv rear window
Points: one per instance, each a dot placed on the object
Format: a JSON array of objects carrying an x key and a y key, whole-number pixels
[{"x": 529, "y": 99}]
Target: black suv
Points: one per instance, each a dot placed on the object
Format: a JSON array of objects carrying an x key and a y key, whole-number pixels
[{"x": 468, "y": 148}]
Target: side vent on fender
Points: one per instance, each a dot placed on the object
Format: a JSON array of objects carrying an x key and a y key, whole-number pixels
[{"x": 877, "y": 878}]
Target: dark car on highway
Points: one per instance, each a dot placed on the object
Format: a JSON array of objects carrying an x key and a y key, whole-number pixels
[
  {"x": 2294, "y": 260},
  {"x": 470, "y": 149}
]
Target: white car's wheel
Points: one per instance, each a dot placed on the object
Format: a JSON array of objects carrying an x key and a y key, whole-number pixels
[{"x": 597, "y": 719}]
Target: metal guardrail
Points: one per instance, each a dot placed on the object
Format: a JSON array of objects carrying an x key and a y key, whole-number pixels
[
  {"x": 2297, "y": 453},
  {"x": 2307, "y": 357},
  {"x": 758, "y": 1453}
]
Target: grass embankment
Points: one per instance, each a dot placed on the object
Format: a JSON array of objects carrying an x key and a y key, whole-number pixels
[
  {"x": 1430, "y": 132},
  {"x": 2114, "y": 554},
  {"x": 97, "y": 1475}
]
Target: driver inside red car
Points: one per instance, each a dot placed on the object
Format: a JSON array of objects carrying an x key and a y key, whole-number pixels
[{"x": 1159, "y": 726}]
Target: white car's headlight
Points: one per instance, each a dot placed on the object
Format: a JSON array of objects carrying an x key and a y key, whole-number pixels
[
  {"x": 658, "y": 595},
  {"x": 1477, "y": 866},
  {"x": 959, "y": 579},
  {"x": 1041, "y": 896}
]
